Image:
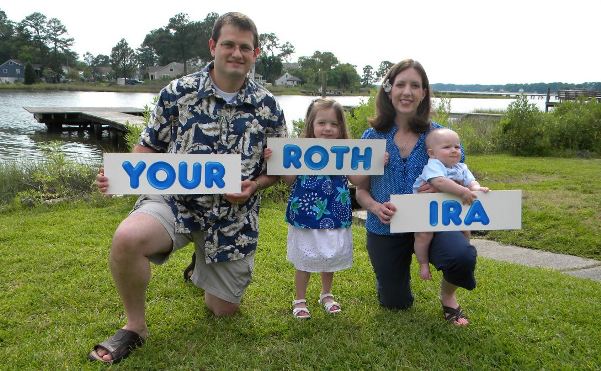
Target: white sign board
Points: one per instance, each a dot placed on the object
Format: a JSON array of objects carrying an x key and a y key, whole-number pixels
[
  {"x": 311, "y": 156},
  {"x": 168, "y": 173},
  {"x": 431, "y": 212}
]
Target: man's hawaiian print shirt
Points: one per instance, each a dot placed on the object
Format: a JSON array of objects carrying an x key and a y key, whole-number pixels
[{"x": 190, "y": 117}]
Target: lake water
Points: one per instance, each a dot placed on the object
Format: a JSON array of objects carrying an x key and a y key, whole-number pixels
[{"x": 21, "y": 135}]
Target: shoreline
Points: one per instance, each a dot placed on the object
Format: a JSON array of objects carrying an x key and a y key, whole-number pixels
[{"x": 155, "y": 87}]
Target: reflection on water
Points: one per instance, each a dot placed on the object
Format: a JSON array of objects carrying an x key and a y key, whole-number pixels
[{"x": 21, "y": 136}]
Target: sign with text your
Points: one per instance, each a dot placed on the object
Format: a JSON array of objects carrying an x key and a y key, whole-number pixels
[
  {"x": 432, "y": 212},
  {"x": 312, "y": 156},
  {"x": 168, "y": 173}
]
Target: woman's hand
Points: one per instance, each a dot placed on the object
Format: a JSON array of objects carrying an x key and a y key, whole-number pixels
[
  {"x": 426, "y": 188},
  {"x": 384, "y": 211}
]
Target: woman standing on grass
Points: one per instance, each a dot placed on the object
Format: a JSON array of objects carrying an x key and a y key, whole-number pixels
[{"x": 402, "y": 118}]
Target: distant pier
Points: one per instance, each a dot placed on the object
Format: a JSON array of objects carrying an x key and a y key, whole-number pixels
[{"x": 94, "y": 119}]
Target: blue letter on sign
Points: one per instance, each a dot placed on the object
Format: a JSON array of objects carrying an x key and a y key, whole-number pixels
[
  {"x": 134, "y": 172},
  {"x": 183, "y": 175},
  {"x": 292, "y": 155},
  {"x": 433, "y": 213},
  {"x": 214, "y": 172},
  {"x": 356, "y": 157},
  {"x": 151, "y": 175},
  {"x": 451, "y": 211},
  {"x": 339, "y": 151},
  {"x": 476, "y": 214},
  {"x": 309, "y": 157}
]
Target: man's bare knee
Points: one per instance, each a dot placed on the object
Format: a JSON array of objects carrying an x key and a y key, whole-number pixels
[{"x": 220, "y": 307}]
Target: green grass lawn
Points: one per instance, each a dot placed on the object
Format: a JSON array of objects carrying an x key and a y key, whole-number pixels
[
  {"x": 561, "y": 205},
  {"x": 57, "y": 300}
]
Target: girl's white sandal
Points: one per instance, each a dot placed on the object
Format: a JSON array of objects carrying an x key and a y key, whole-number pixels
[
  {"x": 329, "y": 306},
  {"x": 298, "y": 312}
]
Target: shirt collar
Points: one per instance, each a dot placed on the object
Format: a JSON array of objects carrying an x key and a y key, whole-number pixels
[{"x": 247, "y": 94}]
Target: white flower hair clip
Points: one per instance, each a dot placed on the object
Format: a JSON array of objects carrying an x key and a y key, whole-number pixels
[{"x": 386, "y": 86}]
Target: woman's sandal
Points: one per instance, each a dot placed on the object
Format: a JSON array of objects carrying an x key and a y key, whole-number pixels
[
  {"x": 453, "y": 315},
  {"x": 119, "y": 346},
  {"x": 300, "y": 313},
  {"x": 330, "y": 307}
]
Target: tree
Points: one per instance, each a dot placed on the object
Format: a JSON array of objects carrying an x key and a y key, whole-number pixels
[
  {"x": 269, "y": 43},
  {"x": 145, "y": 57},
  {"x": 383, "y": 69},
  {"x": 123, "y": 59},
  {"x": 7, "y": 40},
  {"x": 29, "y": 74},
  {"x": 59, "y": 45},
  {"x": 182, "y": 40},
  {"x": 270, "y": 67},
  {"x": 32, "y": 33},
  {"x": 368, "y": 76},
  {"x": 344, "y": 76},
  {"x": 286, "y": 50},
  {"x": 101, "y": 60}
]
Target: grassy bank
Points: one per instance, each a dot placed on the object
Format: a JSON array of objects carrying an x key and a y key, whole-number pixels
[
  {"x": 561, "y": 210},
  {"x": 57, "y": 300}
]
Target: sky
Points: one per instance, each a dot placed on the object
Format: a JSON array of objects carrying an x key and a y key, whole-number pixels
[{"x": 457, "y": 41}]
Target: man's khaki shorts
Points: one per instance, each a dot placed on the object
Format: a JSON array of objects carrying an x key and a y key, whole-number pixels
[{"x": 225, "y": 280}]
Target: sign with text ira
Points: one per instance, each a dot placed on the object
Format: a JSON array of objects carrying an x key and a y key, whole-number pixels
[
  {"x": 312, "y": 156},
  {"x": 433, "y": 212},
  {"x": 169, "y": 173}
]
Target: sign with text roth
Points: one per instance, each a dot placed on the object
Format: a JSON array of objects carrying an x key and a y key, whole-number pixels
[{"x": 312, "y": 156}]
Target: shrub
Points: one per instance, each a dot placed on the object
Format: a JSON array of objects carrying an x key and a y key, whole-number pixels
[
  {"x": 358, "y": 116},
  {"x": 55, "y": 179},
  {"x": 525, "y": 129},
  {"x": 578, "y": 126},
  {"x": 132, "y": 137},
  {"x": 479, "y": 136}
]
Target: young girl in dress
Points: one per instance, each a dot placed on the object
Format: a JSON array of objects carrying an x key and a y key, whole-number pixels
[{"x": 319, "y": 215}]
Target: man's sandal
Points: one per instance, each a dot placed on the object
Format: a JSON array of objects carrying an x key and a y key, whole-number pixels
[
  {"x": 330, "y": 307},
  {"x": 118, "y": 346},
  {"x": 453, "y": 315},
  {"x": 300, "y": 313},
  {"x": 190, "y": 268}
]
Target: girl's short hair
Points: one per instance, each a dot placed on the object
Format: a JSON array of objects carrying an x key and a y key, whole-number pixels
[
  {"x": 385, "y": 112},
  {"x": 321, "y": 104}
]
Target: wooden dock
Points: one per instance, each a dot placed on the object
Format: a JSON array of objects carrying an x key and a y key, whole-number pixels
[{"x": 94, "y": 119}]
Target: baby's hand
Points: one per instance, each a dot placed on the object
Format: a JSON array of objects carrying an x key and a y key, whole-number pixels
[
  {"x": 386, "y": 158},
  {"x": 480, "y": 188},
  {"x": 267, "y": 152},
  {"x": 468, "y": 196}
]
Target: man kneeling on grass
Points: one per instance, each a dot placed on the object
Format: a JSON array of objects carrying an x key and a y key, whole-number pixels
[{"x": 224, "y": 228}]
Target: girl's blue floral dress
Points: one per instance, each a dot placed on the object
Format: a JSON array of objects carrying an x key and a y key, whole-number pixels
[{"x": 320, "y": 217}]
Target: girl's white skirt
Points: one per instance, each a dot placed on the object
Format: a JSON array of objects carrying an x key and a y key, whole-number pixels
[{"x": 320, "y": 250}]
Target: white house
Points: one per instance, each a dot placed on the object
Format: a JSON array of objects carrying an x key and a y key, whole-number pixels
[
  {"x": 170, "y": 71},
  {"x": 287, "y": 80}
]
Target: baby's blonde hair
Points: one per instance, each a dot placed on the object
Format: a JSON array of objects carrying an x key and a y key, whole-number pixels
[{"x": 434, "y": 134}]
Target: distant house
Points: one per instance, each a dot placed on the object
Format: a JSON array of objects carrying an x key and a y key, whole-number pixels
[
  {"x": 170, "y": 71},
  {"x": 12, "y": 71},
  {"x": 101, "y": 72},
  {"x": 288, "y": 80}
]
